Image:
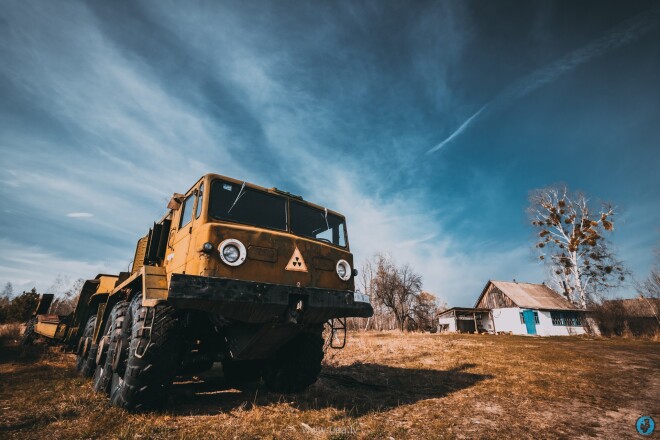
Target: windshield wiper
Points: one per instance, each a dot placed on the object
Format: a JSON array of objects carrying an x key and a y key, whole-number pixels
[{"x": 240, "y": 194}]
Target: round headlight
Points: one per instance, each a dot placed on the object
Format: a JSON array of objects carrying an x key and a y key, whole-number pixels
[
  {"x": 343, "y": 270},
  {"x": 232, "y": 252}
]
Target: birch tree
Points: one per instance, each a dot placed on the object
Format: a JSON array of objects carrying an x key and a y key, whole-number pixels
[{"x": 571, "y": 241}]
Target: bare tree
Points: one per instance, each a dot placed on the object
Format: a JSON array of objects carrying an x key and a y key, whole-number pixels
[
  {"x": 66, "y": 295},
  {"x": 650, "y": 287},
  {"x": 5, "y": 301},
  {"x": 570, "y": 240},
  {"x": 424, "y": 311},
  {"x": 8, "y": 290},
  {"x": 396, "y": 288}
]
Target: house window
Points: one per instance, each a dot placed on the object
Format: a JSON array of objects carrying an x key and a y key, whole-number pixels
[
  {"x": 571, "y": 319},
  {"x": 536, "y": 317}
]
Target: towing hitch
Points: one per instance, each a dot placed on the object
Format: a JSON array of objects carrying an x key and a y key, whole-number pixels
[{"x": 337, "y": 333}]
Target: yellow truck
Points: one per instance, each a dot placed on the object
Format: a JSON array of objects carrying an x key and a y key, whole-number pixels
[{"x": 232, "y": 273}]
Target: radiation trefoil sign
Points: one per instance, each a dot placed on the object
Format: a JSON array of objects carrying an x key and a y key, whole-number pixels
[{"x": 297, "y": 263}]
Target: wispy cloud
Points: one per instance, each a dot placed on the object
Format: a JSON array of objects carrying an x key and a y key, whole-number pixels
[
  {"x": 619, "y": 36},
  {"x": 80, "y": 214},
  {"x": 460, "y": 130},
  {"x": 29, "y": 265}
]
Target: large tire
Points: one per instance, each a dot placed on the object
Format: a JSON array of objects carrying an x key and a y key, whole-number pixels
[
  {"x": 29, "y": 334},
  {"x": 86, "y": 362},
  {"x": 240, "y": 372},
  {"x": 298, "y": 364},
  {"x": 148, "y": 375},
  {"x": 115, "y": 338}
]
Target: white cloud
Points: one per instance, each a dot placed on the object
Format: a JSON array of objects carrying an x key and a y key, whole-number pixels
[
  {"x": 28, "y": 266},
  {"x": 80, "y": 214}
]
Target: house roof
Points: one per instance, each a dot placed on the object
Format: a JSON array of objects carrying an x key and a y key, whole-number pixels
[
  {"x": 461, "y": 311},
  {"x": 530, "y": 296}
]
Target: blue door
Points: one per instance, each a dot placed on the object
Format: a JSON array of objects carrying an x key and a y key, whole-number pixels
[{"x": 528, "y": 316}]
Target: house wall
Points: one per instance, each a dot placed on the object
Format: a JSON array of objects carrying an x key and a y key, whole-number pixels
[
  {"x": 508, "y": 320},
  {"x": 486, "y": 322},
  {"x": 546, "y": 328},
  {"x": 450, "y": 320}
]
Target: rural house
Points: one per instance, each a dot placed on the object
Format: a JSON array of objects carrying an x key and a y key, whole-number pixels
[{"x": 517, "y": 308}]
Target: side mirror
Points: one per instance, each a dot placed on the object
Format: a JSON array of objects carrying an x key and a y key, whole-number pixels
[{"x": 175, "y": 201}]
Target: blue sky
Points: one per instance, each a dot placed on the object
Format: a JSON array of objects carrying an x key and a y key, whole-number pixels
[{"x": 107, "y": 108}]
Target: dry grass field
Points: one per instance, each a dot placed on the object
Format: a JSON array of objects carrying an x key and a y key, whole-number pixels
[{"x": 383, "y": 385}]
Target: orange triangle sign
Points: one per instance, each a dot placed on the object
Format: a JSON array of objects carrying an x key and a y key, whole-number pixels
[{"x": 296, "y": 263}]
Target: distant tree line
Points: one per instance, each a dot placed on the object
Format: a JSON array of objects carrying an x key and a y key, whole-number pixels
[
  {"x": 19, "y": 308},
  {"x": 397, "y": 297}
]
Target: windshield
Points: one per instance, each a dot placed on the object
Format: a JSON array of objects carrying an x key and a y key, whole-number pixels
[
  {"x": 240, "y": 204},
  {"x": 317, "y": 224}
]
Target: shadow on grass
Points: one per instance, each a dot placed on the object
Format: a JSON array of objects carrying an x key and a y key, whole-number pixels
[
  {"x": 32, "y": 422},
  {"x": 26, "y": 374},
  {"x": 20, "y": 354},
  {"x": 356, "y": 389}
]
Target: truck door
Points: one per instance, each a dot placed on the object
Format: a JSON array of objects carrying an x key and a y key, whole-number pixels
[
  {"x": 180, "y": 243},
  {"x": 192, "y": 261}
]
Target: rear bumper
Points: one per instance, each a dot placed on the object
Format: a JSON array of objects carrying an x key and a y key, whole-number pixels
[{"x": 252, "y": 302}]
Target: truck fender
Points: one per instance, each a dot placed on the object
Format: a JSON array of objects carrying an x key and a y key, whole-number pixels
[{"x": 154, "y": 285}]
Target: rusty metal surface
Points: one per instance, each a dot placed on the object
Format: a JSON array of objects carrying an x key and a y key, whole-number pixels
[
  {"x": 154, "y": 285},
  {"x": 47, "y": 329},
  {"x": 92, "y": 293},
  {"x": 268, "y": 253},
  {"x": 140, "y": 252},
  {"x": 51, "y": 319},
  {"x": 258, "y": 342},
  {"x": 258, "y": 302}
]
